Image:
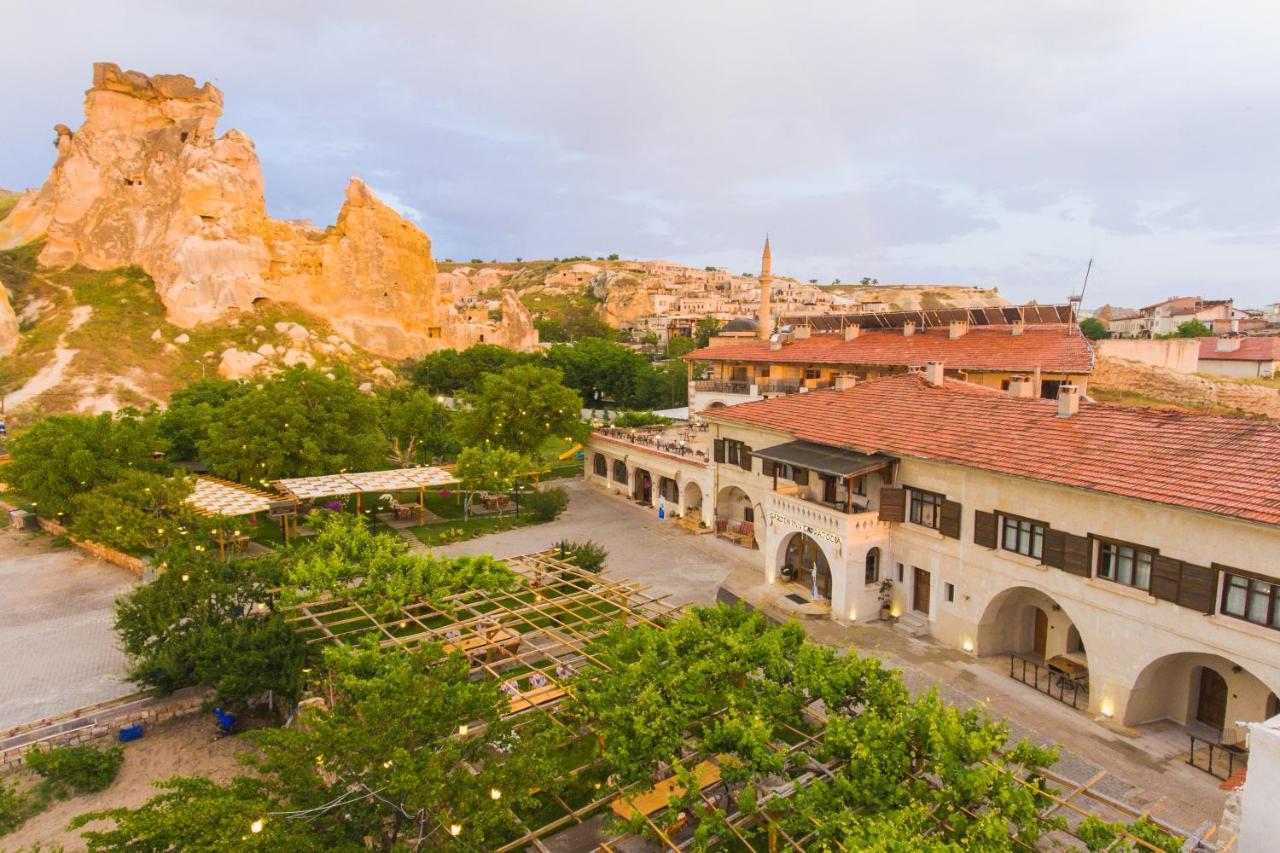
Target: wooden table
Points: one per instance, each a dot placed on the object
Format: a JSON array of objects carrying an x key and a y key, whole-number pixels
[
  {"x": 502, "y": 638},
  {"x": 659, "y": 796},
  {"x": 1067, "y": 666},
  {"x": 535, "y": 697}
]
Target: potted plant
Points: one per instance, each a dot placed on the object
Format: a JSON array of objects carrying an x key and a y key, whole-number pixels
[{"x": 885, "y": 594}]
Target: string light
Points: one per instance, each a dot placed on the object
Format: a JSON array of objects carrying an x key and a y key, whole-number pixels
[
  {"x": 495, "y": 794},
  {"x": 462, "y": 729},
  {"x": 256, "y": 826},
  {"x": 455, "y": 829}
]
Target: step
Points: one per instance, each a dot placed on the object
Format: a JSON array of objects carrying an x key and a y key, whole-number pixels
[{"x": 913, "y": 623}]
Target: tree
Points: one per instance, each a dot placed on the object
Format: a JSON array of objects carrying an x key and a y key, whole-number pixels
[
  {"x": 595, "y": 365},
  {"x": 1094, "y": 329},
  {"x": 612, "y": 257},
  {"x": 192, "y": 411},
  {"x": 449, "y": 371},
  {"x": 491, "y": 469},
  {"x": 415, "y": 417},
  {"x": 679, "y": 345},
  {"x": 519, "y": 409},
  {"x": 138, "y": 512},
  {"x": 299, "y": 423},
  {"x": 582, "y": 321},
  {"x": 62, "y": 456},
  {"x": 705, "y": 329},
  {"x": 551, "y": 330},
  {"x": 1193, "y": 328}
]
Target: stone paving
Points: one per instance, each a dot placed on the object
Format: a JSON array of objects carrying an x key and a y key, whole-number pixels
[
  {"x": 57, "y": 650},
  {"x": 1144, "y": 769}
]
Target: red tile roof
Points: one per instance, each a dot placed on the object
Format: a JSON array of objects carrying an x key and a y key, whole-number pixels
[
  {"x": 1251, "y": 349},
  {"x": 1228, "y": 466},
  {"x": 1048, "y": 347}
]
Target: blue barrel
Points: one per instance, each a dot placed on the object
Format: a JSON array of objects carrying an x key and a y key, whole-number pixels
[{"x": 131, "y": 733}]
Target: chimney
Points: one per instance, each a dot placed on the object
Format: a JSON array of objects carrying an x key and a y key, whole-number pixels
[
  {"x": 1021, "y": 388},
  {"x": 775, "y": 343},
  {"x": 1068, "y": 400},
  {"x": 1018, "y": 328},
  {"x": 958, "y": 328},
  {"x": 933, "y": 372},
  {"x": 1235, "y": 326},
  {"x": 1228, "y": 344},
  {"x": 845, "y": 381},
  {"x": 908, "y": 329},
  {"x": 852, "y": 331}
]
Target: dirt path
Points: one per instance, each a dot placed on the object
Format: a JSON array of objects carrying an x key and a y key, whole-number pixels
[{"x": 51, "y": 375}]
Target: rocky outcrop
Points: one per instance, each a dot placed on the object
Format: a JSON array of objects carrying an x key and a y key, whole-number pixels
[
  {"x": 146, "y": 181},
  {"x": 1179, "y": 389},
  {"x": 8, "y": 324}
]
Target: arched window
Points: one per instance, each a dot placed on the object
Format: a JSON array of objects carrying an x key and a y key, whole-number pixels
[
  {"x": 873, "y": 566},
  {"x": 619, "y": 471},
  {"x": 601, "y": 465}
]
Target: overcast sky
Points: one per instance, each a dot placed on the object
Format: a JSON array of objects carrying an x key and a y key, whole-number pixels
[{"x": 1000, "y": 144}]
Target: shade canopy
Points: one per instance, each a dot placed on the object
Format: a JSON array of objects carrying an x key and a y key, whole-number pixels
[
  {"x": 396, "y": 479},
  {"x": 212, "y": 496},
  {"x": 824, "y": 459}
]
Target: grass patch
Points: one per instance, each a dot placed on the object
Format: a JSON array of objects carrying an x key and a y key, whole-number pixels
[
  {"x": 1130, "y": 398},
  {"x": 459, "y": 530},
  {"x": 8, "y": 201}
]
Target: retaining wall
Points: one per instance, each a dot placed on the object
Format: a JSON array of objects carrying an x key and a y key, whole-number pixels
[{"x": 1181, "y": 355}]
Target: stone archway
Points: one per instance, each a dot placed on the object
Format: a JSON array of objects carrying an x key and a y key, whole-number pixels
[
  {"x": 642, "y": 486},
  {"x": 1027, "y": 621},
  {"x": 804, "y": 561},
  {"x": 1198, "y": 689},
  {"x": 692, "y": 504}
]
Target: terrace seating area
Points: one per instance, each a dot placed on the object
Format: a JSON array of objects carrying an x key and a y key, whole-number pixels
[{"x": 688, "y": 440}]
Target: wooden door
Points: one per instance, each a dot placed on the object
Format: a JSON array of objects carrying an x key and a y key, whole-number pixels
[
  {"x": 1211, "y": 707},
  {"x": 920, "y": 597},
  {"x": 1041, "y": 632}
]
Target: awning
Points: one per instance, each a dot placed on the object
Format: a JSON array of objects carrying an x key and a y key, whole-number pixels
[{"x": 824, "y": 459}]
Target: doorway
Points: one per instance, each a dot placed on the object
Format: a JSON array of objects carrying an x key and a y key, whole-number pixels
[
  {"x": 1211, "y": 705},
  {"x": 920, "y": 593},
  {"x": 1041, "y": 641}
]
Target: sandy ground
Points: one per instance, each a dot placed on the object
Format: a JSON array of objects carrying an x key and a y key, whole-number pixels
[
  {"x": 181, "y": 747},
  {"x": 50, "y": 376}
]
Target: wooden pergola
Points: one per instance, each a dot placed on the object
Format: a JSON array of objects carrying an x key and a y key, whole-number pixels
[
  {"x": 368, "y": 482},
  {"x": 547, "y": 624}
]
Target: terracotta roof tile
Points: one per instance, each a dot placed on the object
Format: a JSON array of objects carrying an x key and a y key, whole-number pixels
[
  {"x": 1048, "y": 347},
  {"x": 1251, "y": 349},
  {"x": 1228, "y": 466}
]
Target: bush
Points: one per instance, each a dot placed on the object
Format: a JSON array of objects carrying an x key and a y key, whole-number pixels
[
  {"x": 639, "y": 419},
  {"x": 15, "y": 807},
  {"x": 587, "y": 556},
  {"x": 84, "y": 769},
  {"x": 545, "y": 504}
]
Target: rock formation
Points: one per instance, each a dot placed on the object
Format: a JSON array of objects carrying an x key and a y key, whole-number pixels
[
  {"x": 146, "y": 181},
  {"x": 8, "y": 324}
]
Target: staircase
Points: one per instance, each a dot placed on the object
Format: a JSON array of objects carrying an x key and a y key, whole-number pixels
[{"x": 912, "y": 622}]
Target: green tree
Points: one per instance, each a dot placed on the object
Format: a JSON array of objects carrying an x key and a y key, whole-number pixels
[
  {"x": 449, "y": 371},
  {"x": 595, "y": 365},
  {"x": 62, "y": 456},
  {"x": 1094, "y": 329},
  {"x": 299, "y": 423},
  {"x": 491, "y": 469},
  {"x": 582, "y": 321},
  {"x": 192, "y": 411},
  {"x": 415, "y": 417},
  {"x": 705, "y": 329},
  {"x": 1193, "y": 328},
  {"x": 551, "y": 330},
  {"x": 519, "y": 409},
  {"x": 137, "y": 512},
  {"x": 679, "y": 345}
]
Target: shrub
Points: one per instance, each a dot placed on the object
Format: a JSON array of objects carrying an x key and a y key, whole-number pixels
[
  {"x": 587, "y": 556},
  {"x": 640, "y": 419},
  {"x": 84, "y": 769},
  {"x": 15, "y": 807},
  {"x": 546, "y": 504}
]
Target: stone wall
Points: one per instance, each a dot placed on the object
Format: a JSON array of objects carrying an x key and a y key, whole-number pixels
[
  {"x": 101, "y": 725},
  {"x": 1181, "y": 355},
  {"x": 116, "y": 558}
]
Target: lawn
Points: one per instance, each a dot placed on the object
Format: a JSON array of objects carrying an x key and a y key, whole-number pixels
[{"x": 459, "y": 530}]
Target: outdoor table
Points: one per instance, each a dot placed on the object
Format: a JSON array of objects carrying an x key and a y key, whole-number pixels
[
  {"x": 659, "y": 796},
  {"x": 535, "y": 697},
  {"x": 504, "y": 638}
]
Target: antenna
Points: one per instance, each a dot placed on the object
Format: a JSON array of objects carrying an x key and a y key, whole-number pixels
[{"x": 1074, "y": 302}]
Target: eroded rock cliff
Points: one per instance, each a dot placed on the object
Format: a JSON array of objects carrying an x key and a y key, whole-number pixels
[{"x": 146, "y": 181}]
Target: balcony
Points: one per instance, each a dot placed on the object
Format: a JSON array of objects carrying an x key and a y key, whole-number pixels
[
  {"x": 681, "y": 442},
  {"x": 803, "y": 513},
  {"x": 720, "y": 386},
  {"x": 779, "y": 386}
]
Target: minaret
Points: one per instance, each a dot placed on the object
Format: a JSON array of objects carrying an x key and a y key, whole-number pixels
[{"x": 766, "y": 285}]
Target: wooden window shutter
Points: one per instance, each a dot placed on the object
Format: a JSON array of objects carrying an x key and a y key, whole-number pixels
[
  {"x": 768, "y": 467},
  {"x": 1199, "y": 588},
  {"x": 717, "y": 451},
  {"x": 1166, "y": 578},
  {"x": 984, "y": 529},
  {"x": 893, "y": 504},
  {"x": 1076, "y": 555},
  {"x": 802, "y": 477},
  {"x": 949, "y": 522},
  {"x": 744, "y": 457},
  {"x": 1055, "y": 548}
]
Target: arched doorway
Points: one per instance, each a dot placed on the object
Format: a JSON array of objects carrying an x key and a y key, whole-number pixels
[
  {"x": 642, "y": 487},
  {"x": 1198, "y": 689},
  {"x": 736, "y": 516},
  {"x": 619, "y": 471},
  {"x": 600, "y": 465},
  {"x": 669, "y": 489},
  {"x": 692, "y": 499},
  {"x": 1026, "y": 621},
  {"x": 806, "y": 564}
]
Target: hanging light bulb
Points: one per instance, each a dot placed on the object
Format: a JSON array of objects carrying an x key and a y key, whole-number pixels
[
  {"x": 257, "y": 825},
  {"x": 455, "y": 829},
  {"x": 495, "y": 794}
]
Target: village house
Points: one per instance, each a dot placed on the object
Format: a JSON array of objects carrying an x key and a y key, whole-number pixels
[
  {"x": 1121, "y": 559},
  {"x": 1240, "y": 357},
  {"x": 1163, "y": 318}
]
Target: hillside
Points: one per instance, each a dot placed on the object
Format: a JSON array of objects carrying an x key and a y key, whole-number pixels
[
  {"x": 94, "y": 341},
  {"x": 1132, "y": 383},
  {"x": 915, "y": 297},
  {"x": 8, "y": 200}
]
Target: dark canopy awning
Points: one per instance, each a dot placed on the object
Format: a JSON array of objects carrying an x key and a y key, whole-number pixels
[{"x": 823, "y": 459}]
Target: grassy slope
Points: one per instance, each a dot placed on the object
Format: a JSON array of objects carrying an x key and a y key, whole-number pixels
[
  {"x": 117, "y": 338},
  {"x": 8, "y": 201}
]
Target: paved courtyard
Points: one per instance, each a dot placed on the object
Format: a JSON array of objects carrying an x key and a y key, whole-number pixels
[
  {"x": 1144, "y": 769},
  {"x": 57, "y": 649}
]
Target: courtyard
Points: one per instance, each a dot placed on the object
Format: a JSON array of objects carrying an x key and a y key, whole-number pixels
[{"x": 57, "y": 649}]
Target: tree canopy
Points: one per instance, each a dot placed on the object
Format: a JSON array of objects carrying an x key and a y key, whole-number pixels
[
  {"x": 519, "y": 409},
  {"x": 1094, "y": 329},
  {"x": 300, "y": 423},
  {"x": 192, "y": 411},
  {"x": 706, "y": 328},
  {"x": 413, "y": 418},
  {"x": 450, "y": 371}
]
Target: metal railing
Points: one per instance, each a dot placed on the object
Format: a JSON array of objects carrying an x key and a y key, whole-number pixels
[
  {"x": 657, "y": 439},
  {"x": 722, "y": 386},
  {"x": 1055, "y": 685},
  {"x": 1219, "y": 759},
  {"x": 778, "y": 386}
]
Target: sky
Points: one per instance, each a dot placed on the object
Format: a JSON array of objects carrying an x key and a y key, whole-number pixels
[{"x": 1001, "y": 144}]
